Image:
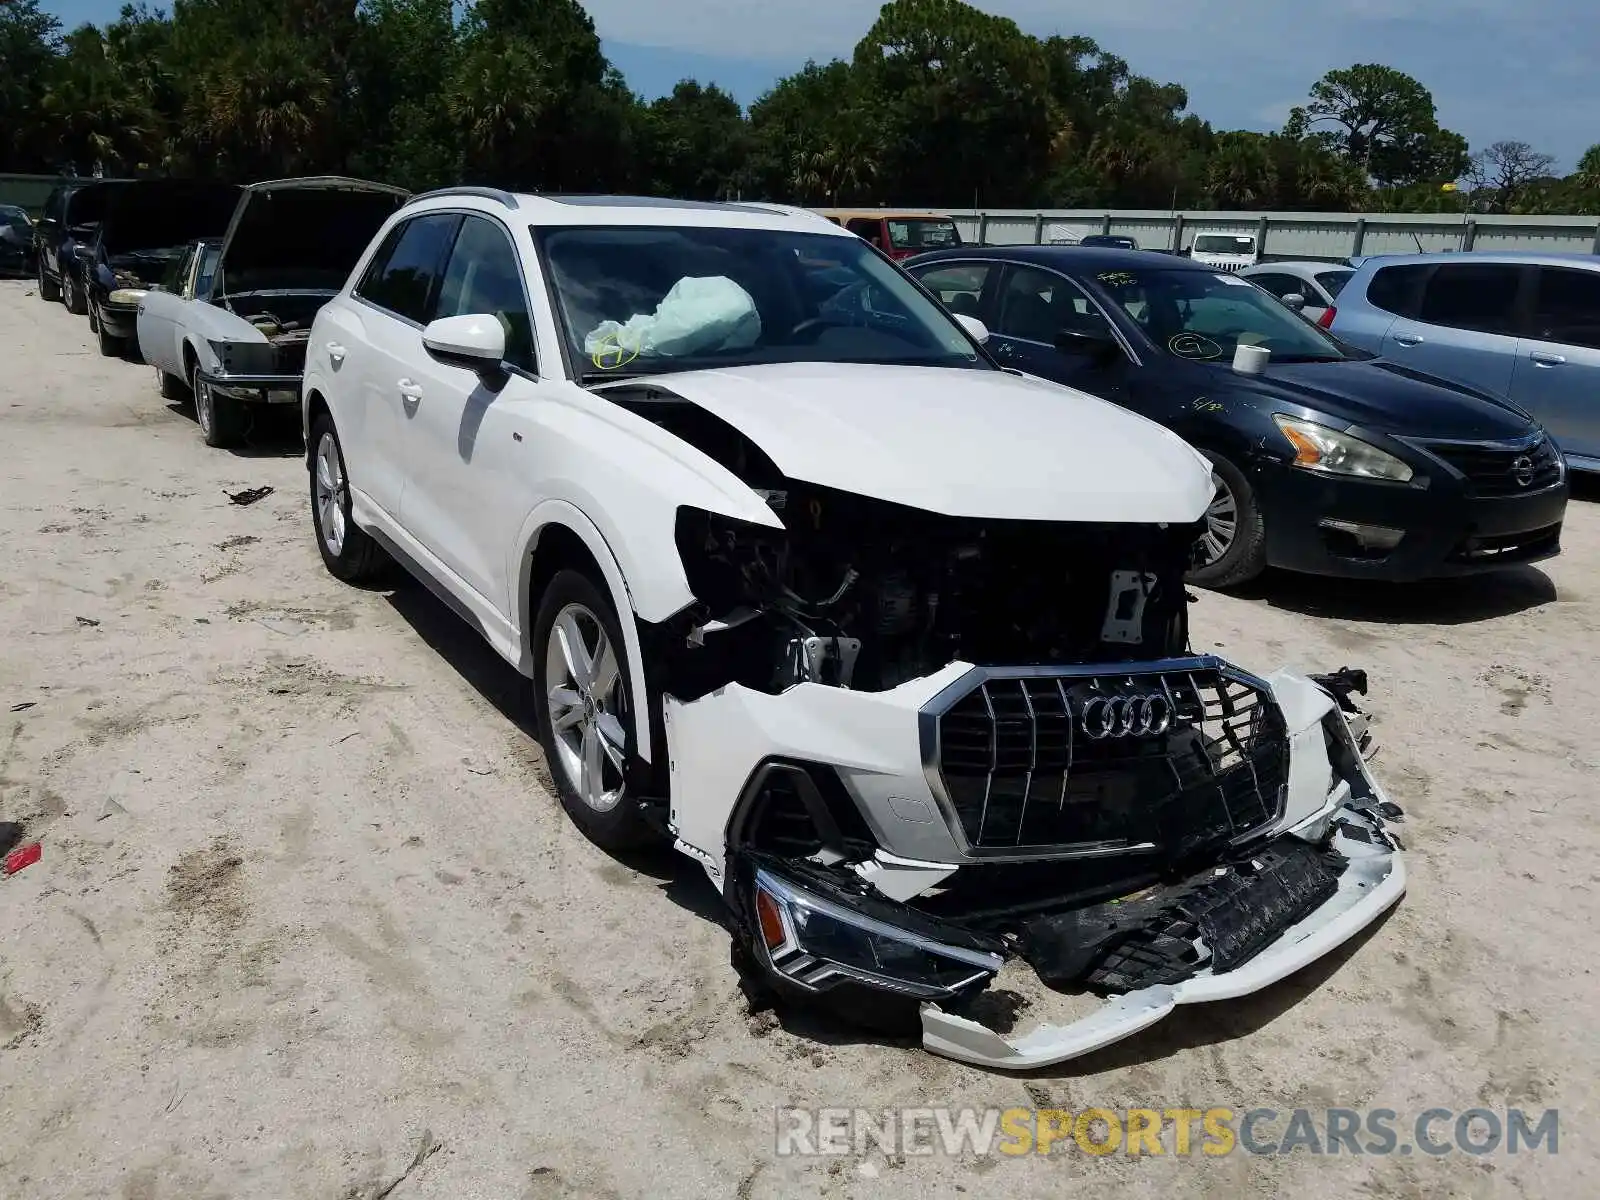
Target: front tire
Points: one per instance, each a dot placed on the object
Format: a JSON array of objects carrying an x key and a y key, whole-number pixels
[
  {"x": 585, "y": 711},
  {"x": 72, "y": 295},
  {"x": 1232, "y": 548},
  {"x": 221, "y": 418},
  {"x": 110, "y": 344},
  {"x": 348, "y": 551},
  {"x": 49, "y": 290}
]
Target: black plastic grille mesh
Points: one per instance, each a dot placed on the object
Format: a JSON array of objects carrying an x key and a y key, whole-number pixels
[
  {"x": 1022, "y": 770},
  {"x": 1496, "y": 471}
]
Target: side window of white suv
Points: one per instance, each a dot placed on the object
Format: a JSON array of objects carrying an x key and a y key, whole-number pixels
[
  {"x": 403, "y": 272},
  {"x": 485, "y": 276}
]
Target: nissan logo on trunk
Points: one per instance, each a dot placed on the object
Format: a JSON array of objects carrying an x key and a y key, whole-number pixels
[{"x": 1124, "y": 714}]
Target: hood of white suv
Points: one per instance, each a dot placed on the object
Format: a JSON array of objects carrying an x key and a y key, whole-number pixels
[{"x": 963, "y": 443}]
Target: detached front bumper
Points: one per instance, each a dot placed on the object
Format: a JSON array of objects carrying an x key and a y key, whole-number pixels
[
  {"x": 1372, "y": 883},
  {"x": 899, "y": 892}
]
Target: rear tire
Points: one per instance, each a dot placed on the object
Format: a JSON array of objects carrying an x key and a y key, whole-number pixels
[
  {"x": 348, "y": 551},
  {"x": 1234, "y": 542},
  {"x": 172, "y": 388},
  {"x": 49, "y": 289},
  {"x": 588, "y": 755}
]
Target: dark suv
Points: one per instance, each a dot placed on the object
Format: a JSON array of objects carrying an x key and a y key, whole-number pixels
[{"x": 71, "y": 214}]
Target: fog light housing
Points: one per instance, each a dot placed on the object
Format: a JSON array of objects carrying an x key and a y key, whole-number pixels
[
  {"x": 818, "y": 944},
  {"x": 1369, "y": 539}
]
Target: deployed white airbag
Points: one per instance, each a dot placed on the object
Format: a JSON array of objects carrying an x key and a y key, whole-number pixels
[{"x": 698, "y": 315}]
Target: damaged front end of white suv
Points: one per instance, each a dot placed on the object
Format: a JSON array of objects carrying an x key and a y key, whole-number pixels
[{"x": 915, "y": 750}]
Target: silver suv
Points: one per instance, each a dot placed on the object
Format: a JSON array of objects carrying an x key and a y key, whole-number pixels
[{"x": 1521, "y": 327}]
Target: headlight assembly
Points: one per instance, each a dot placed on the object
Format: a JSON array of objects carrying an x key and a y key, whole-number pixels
[
  {"x": 817, "y": 944},
  {"x": 728, "y": 562},
  {"x": 1319, "y": 448}
]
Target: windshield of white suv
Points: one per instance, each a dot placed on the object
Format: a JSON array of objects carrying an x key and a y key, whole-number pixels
[
  {"x": 646, "y": 299},
  {"x": 1205, "y": 316}
]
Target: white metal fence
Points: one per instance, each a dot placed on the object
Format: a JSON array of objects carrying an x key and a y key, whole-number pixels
[{"x": 1282, "y": 235}]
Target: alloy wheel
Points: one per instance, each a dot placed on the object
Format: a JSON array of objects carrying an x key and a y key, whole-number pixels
[
  {"x": 203, "y": 415},
  {"x": 331, "y": 492},
  {"x": 583, "y": 684},
  {"x": 1221, "y": 526},
  {"x": 66, "y": 290}
]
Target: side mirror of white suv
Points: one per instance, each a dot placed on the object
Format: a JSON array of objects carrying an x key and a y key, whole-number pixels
[{"x": 472, "y": 340}]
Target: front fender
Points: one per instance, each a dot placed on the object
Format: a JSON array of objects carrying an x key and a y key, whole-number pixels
[
  {"x": 209, "y": 322},
  {"x": 568, "y": 516}
]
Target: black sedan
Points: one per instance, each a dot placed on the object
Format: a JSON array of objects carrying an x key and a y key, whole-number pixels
[{"x": 1328, "y": 459}]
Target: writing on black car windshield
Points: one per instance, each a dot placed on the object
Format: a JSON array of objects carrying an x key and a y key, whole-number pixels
[
  {"x": 638, "y": 300},
  {"x": 1206, "y": 316}
]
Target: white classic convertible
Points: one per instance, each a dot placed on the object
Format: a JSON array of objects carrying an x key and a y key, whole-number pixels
[
  {"x": 229, "y": 325},
  {"x": 891, "y": 642}
]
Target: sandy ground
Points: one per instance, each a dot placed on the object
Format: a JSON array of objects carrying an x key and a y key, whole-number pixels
[{"x": 305, "y": 905}]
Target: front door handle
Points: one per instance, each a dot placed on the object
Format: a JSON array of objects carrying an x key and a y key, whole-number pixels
[
  {"x": 1545, "y": 359},
  {"x": 335, "y": 351},
  {"x": 410, "y": 392},
  {"x": 1408, "y": 339}
]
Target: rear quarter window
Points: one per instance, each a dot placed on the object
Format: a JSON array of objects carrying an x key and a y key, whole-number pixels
[{"x": 1398, "y": 290}]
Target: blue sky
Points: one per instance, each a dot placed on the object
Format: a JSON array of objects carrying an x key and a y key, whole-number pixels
[{"x": 1498, "y": 70}]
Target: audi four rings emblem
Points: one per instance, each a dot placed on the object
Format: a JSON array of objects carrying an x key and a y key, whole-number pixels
[{"x": 1125, "y": 715}]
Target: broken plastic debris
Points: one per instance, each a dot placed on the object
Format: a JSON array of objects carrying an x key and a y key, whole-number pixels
[
  {"x": 249, "y": 495},
  {"x": 24, "y": 857},
  {"x": 26, "y": 704},
  {"x": 88, "y": 622}
]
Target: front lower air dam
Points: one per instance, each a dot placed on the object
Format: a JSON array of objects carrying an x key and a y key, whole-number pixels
[{"x": 1332, "y": 871}]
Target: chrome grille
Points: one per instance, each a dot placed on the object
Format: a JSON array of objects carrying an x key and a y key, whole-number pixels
[
  {"x": 1022, "y": 770},
  {"x": 1499, "y": 469}
]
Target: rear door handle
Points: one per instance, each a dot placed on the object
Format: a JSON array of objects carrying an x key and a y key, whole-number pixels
[
  {"x": 1408, "y": 339},
  {"x": 1546, "y": 359},
  {"x": 335, "y": 351}
]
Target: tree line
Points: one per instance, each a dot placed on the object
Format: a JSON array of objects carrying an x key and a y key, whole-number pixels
[{"x": 940, "y": 104}]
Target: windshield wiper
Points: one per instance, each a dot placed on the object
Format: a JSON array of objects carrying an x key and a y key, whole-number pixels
[{"x": 1308, "y": 358}]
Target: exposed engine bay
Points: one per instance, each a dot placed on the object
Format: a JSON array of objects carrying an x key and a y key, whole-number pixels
[
  {"x": 283, "y": 318},
  {"x": 861, "y": 593}
]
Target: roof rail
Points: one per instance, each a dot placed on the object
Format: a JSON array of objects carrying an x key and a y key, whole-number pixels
[{"x": 487, "y": 193}]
